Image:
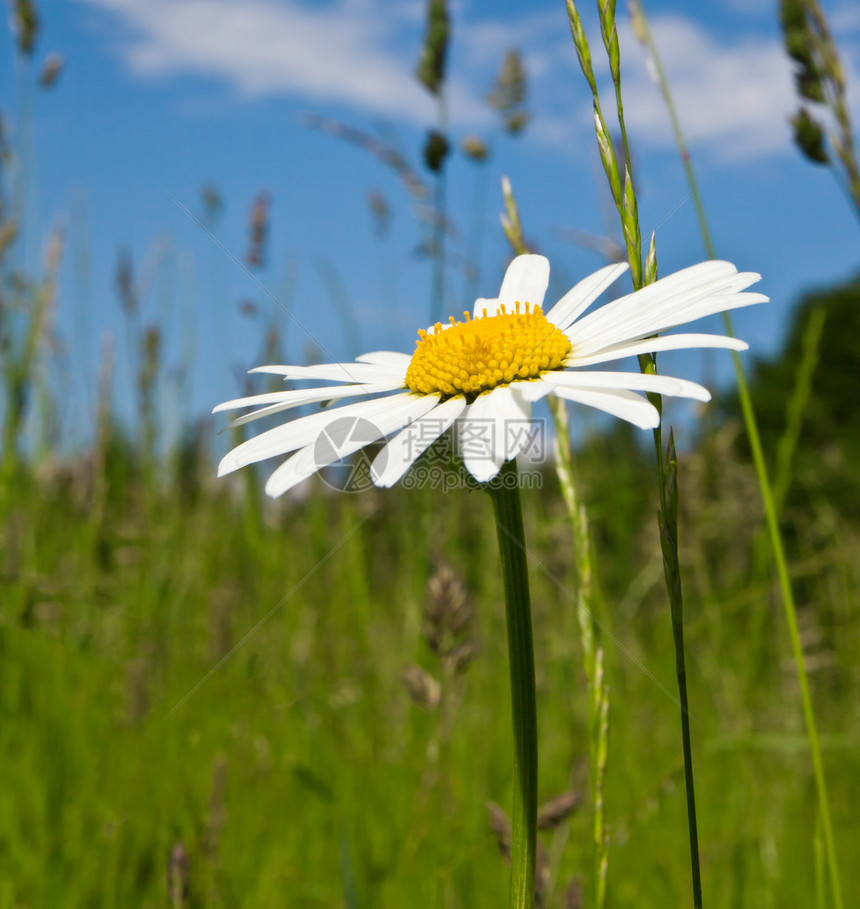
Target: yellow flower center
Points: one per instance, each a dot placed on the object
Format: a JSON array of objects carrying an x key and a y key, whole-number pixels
[{"x": 476, "y": 355}]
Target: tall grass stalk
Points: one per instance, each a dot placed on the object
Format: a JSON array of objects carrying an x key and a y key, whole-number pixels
[
  {"x": 593, "y": 663},
  {"x": 624, "y": 197},
  {"x": 440, "y": 221},
  {"x": 21, "y": 361},
  {"x": 796, "y": 408},
  {"x": 431, "y": 72},
  {"x": 820, "y": 81},
  {"x": 771, "y": 501}
]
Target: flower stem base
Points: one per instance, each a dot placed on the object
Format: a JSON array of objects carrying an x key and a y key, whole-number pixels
[{"x": 507, "y": 508}]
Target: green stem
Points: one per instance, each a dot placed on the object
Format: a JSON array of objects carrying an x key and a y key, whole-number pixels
[
  {"x": 686, "y": 741},
  {"x": 507, "y": 508},
  {"x": 672, "y": 571}
]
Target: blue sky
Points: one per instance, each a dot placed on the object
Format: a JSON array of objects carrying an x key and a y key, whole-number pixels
[{"x": 159, "y": 97}]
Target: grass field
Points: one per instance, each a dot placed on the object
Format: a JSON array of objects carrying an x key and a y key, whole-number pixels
[{"x": 185, "y": 677}]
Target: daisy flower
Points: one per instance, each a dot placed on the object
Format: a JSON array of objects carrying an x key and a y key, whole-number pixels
[{"x": 485, "y": 372}]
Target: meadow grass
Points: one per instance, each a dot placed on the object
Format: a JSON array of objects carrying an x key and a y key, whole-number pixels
[{"x": 299, "y": 772}]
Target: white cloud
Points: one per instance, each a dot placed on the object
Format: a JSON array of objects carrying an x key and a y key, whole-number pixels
[
  {"x": 734, "y": 97},
  {"x": 348, "y": 52}
]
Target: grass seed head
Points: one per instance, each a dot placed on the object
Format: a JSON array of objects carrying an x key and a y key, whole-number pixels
[
  {"x": 423, "y": 689},
  {"x": 558, "y": 809},
  {"x": 447, "y": 615},
  {"x": 434, "y": 52},
  {"x": 178, "y": 875}
]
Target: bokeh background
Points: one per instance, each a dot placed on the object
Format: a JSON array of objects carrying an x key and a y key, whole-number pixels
[{"x": 170, "y": 111}]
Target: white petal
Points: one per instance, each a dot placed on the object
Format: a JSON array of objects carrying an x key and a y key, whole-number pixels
[
  {"x": 311, "y": 458},
  {"x": 406, "y": 447},
  {"x": 329, "y": 395},
  {"x": 687, "y": 295},
  {"x": 712, "y": 305},
  {"x": 522, "y": 432},
  {"x": 583, "y": 294},
  {"x": 656, "y": 344},
  {"x": 391, "y": 358},
  {"x": 304, "y": 430},
  {"x": 525, "y": 281},
  {"x": 338, "y": 372},
  {"x": 534, "y": 389},
  {"x": 657, "y": 384},
  {"x": 299, "y": 396},
  {"x": 492, "y": 431},
  {"x": 610, "y": 332},
  {"x": 672, "y": 292},
  {"x": 619, "y": 403}
]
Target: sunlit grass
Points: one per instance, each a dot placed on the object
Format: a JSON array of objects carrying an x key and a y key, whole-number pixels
[{"x": 300, "y": 766}]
